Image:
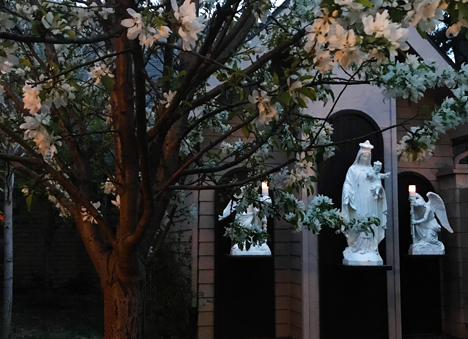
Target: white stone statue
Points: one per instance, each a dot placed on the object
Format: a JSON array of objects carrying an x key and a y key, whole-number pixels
[
  {"x": 424, "y": 226},
  {"x": 363, "y": 195},
  {"x": 249, "y": 219}
]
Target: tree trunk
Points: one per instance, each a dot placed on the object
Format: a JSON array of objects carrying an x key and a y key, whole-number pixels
[
  {"x": 8, "y": 253},
  {"x": 123, "y": 306}
]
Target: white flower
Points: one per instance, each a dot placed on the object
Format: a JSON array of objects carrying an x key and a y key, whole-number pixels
[
  {"x": 116, "y": 202},
  {"x": 168, "y": 98},
  {"x": 105, "y": 11},
  {"x": 344, "y": 42},
  {"x": 343, "y": 2},
  {"x": 152, "y": 35},
  {"x": 262, "y": 100},
  {"x": 5, "y": 22},
  {"x": 323, "y": 61},
  {"x": 108, "y": 187},
  {"x": 317, "y": 33},
  {"x": 423, "y": 10},
  {"x": 190, "y": 24},
  {"x": 146, "y": 34},
  {"x": 88, "y": 217},
  {"x": 453, "y": 30},
  {"x": 31, "y": 99},
  {"x": 99, "y": 70},
  {"x": 134, "y": 24},
  {"x": 30, "y": 123},
  {"x": 55, "y": 25},
  {"x": 378, "y": 26},
  {"x": 6, "y": 63}
]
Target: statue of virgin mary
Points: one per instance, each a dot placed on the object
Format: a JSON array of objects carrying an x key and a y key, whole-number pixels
[{"x": 359, "y": 200}]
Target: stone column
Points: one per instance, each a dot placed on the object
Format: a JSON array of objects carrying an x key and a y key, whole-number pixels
[{"x": 454, "y": 191}]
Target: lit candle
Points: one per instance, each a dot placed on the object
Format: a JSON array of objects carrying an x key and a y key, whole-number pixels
[
  {"x": 264, "y": 188},
  {"x": 412, "y": 190}
]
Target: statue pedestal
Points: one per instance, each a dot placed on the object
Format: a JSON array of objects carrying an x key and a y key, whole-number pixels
[
  {"x": 425, "y": 252},
  {"x": 262, "y": 249},
  {"x": 425, "y": 248},
  {"x": 362, "y": 259}
]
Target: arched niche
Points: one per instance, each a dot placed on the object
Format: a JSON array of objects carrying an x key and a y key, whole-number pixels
[
  {"x": 419, "y": 275},
  {"x": 244, "y": 296},
  {"x": 354, "y": 299}
]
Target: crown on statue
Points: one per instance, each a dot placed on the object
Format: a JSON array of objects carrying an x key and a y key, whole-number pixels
[{"x": 366, "y": 146}]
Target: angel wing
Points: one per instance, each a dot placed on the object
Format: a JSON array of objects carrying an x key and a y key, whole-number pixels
[{"x": 438, "y": 206}]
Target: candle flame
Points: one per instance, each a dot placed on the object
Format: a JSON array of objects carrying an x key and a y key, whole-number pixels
[
  {"x": 412, "y": 188},
  {"x": 264, "y": 184}
]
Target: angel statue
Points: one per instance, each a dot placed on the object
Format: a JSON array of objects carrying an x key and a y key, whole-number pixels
[
  {"x": 248, "y": 220},
  {"x": 424, "y": 226}
]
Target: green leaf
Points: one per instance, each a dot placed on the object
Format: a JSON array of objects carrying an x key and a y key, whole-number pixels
[
  {"x": 108, "y": 83},
  {"x": 241, "y": 94},
  {"x": 284, "y": 97},
  {"x": 365, "y": 3},
  {"x": 301, "y": 103},
  {"x": 71, "y": 34},
  {"x": 29, "y": 200},
  {"x": 245, "y": 131},
  {"x": 221, "y": 77},
  {"x": 185, "y": 103},
  {"x": 308, "y": 92},
  {"x": 275, "y": 79},
  {"x": 26, "y": 62}
]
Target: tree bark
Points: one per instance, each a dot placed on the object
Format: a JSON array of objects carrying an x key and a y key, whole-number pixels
[
  {"x": 8, "y": 253},
  {"x": 123, "y": 292}
]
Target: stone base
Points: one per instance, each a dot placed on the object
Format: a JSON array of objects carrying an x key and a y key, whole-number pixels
[
  {"x": 425, "y": 252},
  {"x": 362, "y": 259},
  {"x": 253, "y": 250},
  {"x": 425, "y": 248}
]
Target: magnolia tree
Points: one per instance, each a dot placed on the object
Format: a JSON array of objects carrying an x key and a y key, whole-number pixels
[{"x": 119, "y": 97}]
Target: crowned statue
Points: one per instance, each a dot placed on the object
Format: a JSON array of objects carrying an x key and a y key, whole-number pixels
[
  {"x": 424, "y": 226},
  {"x": 363, "y": 195}
]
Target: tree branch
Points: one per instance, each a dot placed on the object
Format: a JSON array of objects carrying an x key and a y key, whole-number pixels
[{"x": 62, "y": 41}]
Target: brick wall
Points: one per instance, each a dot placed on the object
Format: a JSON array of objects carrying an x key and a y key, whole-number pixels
[{"x": 454, "y": 191}]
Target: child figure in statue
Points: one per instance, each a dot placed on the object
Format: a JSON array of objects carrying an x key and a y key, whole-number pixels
[{"x": 376, "y": 178}]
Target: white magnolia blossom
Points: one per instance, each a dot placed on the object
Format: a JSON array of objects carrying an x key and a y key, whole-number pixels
[
  {"x": 116, "y": 202},
  {"x": 63, "y": 212},
  {"x": 190, "y": 24},
  {"x": 9, "y": 61},
  {"x": 55, "y": 24},
  {"x": 34, "y": 126},
  {"x": 26, "y": 10},
  {"x": 105, "y": 11},
  {"x": 31, "y": 99},
  {"x": 5, "y": 22},
  {"x": 262, "y": 100},
  {"x": 88, "y": 217},
  {"x": 108, "y": 187},
  {"x": 147, "y": 35},
  {"x": 168, "y": 98},
  {"x": 100, "y": 70}
]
